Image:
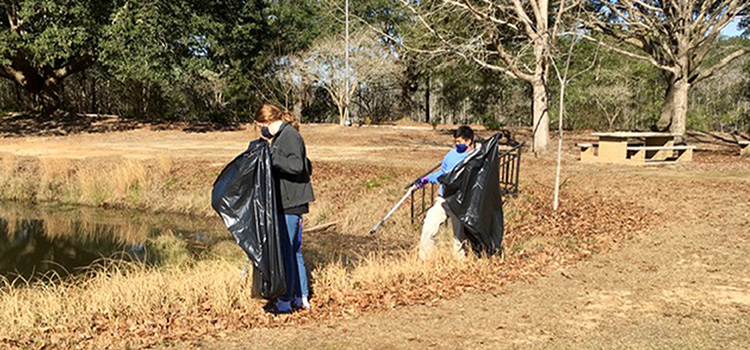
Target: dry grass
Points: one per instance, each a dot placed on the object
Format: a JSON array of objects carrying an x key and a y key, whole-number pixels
[
  {"x": 8, "y": 165},
  {"x": 187, "y": 300},
  {"x": 54, "y": 169},
  {"x": 121, "y": 298},
  {"x": 126, "y": 305},
  {"x": 154, "y": 185},
  {"x": 130, "y": 306}
]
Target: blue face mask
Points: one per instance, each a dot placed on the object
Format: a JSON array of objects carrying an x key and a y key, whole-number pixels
[
  {"x": 461, "y": 148},
  {"x": 266, "y": 133}
]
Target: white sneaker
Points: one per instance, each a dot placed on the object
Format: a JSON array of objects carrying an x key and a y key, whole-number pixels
[
  {"x": 283, "y": 306},
  {"x": 301, "y": 303}
]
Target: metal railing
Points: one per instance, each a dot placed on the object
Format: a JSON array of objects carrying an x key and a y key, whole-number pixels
[
  {"x": 424, "y": 206},
  {"x": 510, "y": 170}
]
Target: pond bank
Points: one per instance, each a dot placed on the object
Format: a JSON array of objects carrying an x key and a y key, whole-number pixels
[{"x": 51, "y": 241}]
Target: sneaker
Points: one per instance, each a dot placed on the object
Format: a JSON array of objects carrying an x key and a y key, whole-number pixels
[
  {"x": 301, "y": 303},
  {"x": 283, "y": 306}
]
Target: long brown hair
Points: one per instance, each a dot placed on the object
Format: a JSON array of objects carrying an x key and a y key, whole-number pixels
[{"x": 268, "y": 113}]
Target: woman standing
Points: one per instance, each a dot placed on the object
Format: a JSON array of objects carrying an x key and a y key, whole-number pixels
[{"x": 291, "y": 171}]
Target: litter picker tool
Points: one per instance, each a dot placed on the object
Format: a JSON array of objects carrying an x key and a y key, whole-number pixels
[
  {"x": 408, "y": 193},
  {"x": 411, "y": 187}
]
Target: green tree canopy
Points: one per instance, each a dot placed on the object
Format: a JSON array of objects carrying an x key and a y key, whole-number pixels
[{"x": 43, "y": 42}]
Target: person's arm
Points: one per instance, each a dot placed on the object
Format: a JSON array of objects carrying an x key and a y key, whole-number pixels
[
  {"x": 433, "y": 178},
  {"x": 288, "y": 156}
]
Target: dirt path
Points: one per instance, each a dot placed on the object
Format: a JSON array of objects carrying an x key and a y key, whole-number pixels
[{"x": 683, "y": 285}]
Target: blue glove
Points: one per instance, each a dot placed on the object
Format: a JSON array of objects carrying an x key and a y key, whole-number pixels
[{"x": 422, "y": 182}]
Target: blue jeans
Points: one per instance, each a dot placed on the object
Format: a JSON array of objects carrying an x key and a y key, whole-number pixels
[{"x": 294, "y": 264}]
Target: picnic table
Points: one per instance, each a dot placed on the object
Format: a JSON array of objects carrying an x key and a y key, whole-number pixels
[
  {"x": 744, "y": 148},
  {"x": 637, "y": 148}
]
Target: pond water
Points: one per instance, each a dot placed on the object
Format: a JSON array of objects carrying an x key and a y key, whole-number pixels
[{"x": 59, "y": 241}]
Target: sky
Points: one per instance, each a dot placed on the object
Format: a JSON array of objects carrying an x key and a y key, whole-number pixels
[{"x": 731, "y": 29}]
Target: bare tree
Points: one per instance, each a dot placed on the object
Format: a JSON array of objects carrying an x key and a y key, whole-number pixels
[
  {"x": 564, "y": 80},
  {"x": 514, "y": 37},
  {"x": 324, "y": 65},
  {"x": 719, "y": 102},
  {"x": 612, "y": 94},
  {"x": 214, "y": 89},
  {"x": 677, "y": 37}
]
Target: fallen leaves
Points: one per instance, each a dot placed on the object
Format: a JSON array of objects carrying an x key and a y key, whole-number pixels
[{"x": 536, "y": 238}]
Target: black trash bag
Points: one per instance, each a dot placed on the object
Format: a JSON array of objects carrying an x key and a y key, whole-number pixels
[
  {"x": 472, "y": 192},
  {"x": 244, "y": 195}
]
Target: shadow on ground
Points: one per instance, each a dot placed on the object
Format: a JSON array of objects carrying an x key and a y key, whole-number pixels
[{"x": 64, "y": 123}]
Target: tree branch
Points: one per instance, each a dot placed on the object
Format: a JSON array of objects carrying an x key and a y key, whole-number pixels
[
  {"x": 11, "y": 12},
  {"x": 703, "y": 74},
  {"x": 601, "y": 28},
  {"x": 538, "y": 15},
  {"x": 74, "y": 65},
  {"x": 9, "y": 73},
  {"x": 531, "y": 32},
  {"x": 704, "y": 42},
  {"x": 648, "y": 59},
  {"x": 558, "y": 19},
  {"x": 465, "y": 4}
]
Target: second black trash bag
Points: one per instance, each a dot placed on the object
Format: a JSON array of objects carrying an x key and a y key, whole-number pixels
[
  {"x": 244, "y": 195},
  {"x": 472, "y": 192}
]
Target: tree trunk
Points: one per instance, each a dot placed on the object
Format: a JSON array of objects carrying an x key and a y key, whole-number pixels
[
  {"x": 674, "y": 110},
  {"x": 299, "y": 101},
  {"x": 43, "y": 83},
  {"x": 81, "y": 101},
  {"x": 561, "y": 111},
  {"x": 19, "y": 98},
  {"x": 45, "y": 94},
  {"x": 144, "y": 101},
  {"x": 540, "y": 102},
  {"x": 342, "y": 112},
  {"x": 94, "y": 103},
  {"x": 427, "y": 100},
  {"x": 541, "y": 118},
  {"x": 48, "y": 98},
  {"x": 680, "y": 101},
  {"x": 409, "y": 86}
]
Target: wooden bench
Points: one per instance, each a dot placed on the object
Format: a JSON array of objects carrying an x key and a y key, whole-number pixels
[
  {"x": 588, "y": 152},
  {"x": 660, "y": 154},
  {"x": 637, "y": 148},
  {"x": 744, "y": 148}
]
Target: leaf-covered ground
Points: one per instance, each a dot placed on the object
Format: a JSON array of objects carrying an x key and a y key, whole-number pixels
[{"x": 609, "y": 215}]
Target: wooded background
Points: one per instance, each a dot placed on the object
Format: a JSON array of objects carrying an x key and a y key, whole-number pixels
[{"x": 661, "y": 64}]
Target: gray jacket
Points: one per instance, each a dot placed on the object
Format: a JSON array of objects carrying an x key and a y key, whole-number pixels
[{"x": 291, "y": 168}]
